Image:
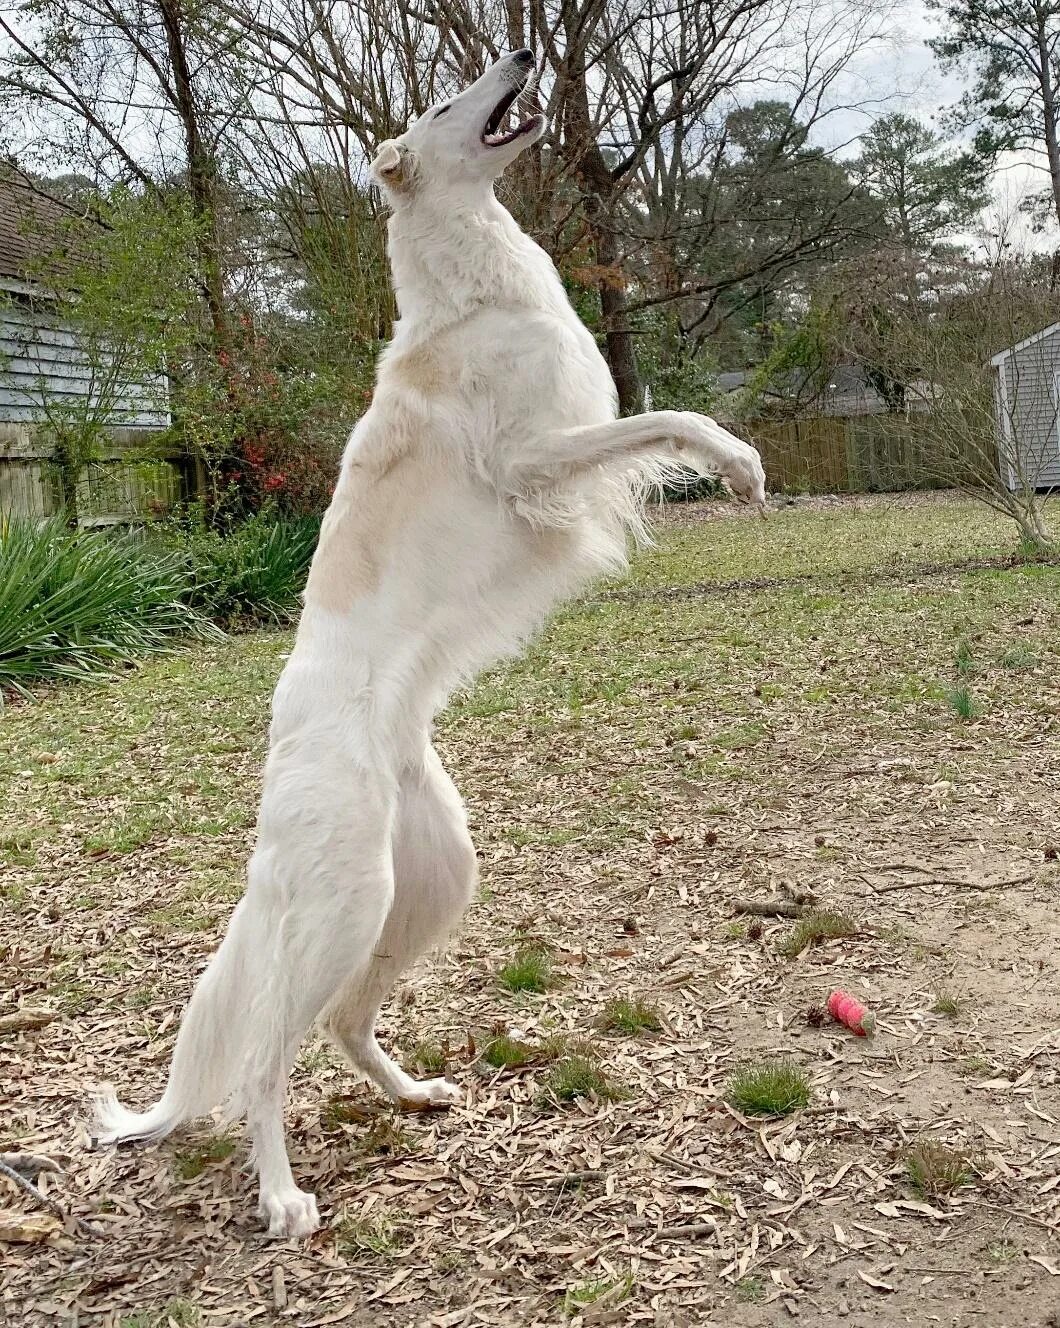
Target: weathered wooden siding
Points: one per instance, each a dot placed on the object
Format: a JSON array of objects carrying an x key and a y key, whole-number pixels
[
  {"x": 127, "y": 483},
  {"x": 41, "y": 363},
  {"x": 1032, "y": 389}
]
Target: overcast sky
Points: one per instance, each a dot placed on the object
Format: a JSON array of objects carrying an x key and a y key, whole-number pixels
[{"x": 904, "y": 75}]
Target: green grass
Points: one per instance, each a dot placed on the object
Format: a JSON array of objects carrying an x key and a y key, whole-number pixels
[
  {"x": 191, "y": 1162},
  {"x": 631, "y": 1016},
  {"x": 960, "y": 698},
  {"x": 964, "y": 659},
  {"x": 750, "y": 1289},
  {"x": 144, "y": 789},
  {"x": 429, "y": 1058},
  {"x": 530, "y": 969},
  {"x": 181, "y": 1313},
  {"x": 380, "y": 1234},
  {"x": 606, "y": 1290},
  {"x": 947, "y": 1005},
  {"x": 820, "y": 925},
  {"x": 935, "y": 1170},
  {"x": 581, "y": 1075},
  {"x": 768, "y": 1088},
  {"x": 507, "y": 1053}
]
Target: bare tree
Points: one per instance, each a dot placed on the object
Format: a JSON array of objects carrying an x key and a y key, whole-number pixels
[
  {"x": 985, "y": 410},
  {"x": 133, "y": 92},
  {"x": 637, "y": 97}
]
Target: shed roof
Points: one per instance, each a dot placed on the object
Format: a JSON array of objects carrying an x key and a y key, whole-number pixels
[{"x": 1003, "y": 355}]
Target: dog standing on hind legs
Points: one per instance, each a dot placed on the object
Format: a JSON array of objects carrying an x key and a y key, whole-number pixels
[{"x": 488, "y": 480}]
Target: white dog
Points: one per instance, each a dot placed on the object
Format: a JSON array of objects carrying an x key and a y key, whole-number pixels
[{"x": 489, "y": 479}]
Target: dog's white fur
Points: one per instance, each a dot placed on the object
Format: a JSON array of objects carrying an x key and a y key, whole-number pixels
[{"x": 489, "y": 479}]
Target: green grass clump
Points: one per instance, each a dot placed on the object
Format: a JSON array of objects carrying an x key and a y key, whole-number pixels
[
  {"x": 960, "y": 698},
  {"x": 935, "y": 1170},
  {"x": 379, "y": 1233},
  {"x": 180, "y": 1312},
  {"x": 580, "y": 1075},
  {"x": 192, "y": 1162},
  {"x": 508, "y": 1053},
  {"x": 429, "y": 1057},
  {"x": 947, "y": 1005},
  {"x": 75, "y": 603},
  {"x": 1019, "y": 657},
  {"x": 530, "y": 969},
  {"x": 768, "y": 1088},
  {"x": 963, "y": 659},
  {"x": 750, "y": 1289},
  {"x": 815, "y": 927},
  {"x": 609, "y": 1290},
  {"x": 630, "y": 1016}
]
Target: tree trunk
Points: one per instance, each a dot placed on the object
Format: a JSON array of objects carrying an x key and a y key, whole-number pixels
[
  {"x": 598, "y": 188},
  {"x": 1049, "y": 116},
  {"x": 201, "y": 173}
]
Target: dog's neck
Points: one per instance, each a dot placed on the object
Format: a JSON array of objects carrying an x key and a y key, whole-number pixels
[{"x": 449, "y": 262}]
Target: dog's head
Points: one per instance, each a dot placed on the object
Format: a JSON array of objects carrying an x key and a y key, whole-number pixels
[{"x": 461, "y": 141}]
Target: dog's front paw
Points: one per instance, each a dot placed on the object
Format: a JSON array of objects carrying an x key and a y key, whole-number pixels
[
  {"x": 744, "y": 475},
  {"x": 721, "y": 453},
  {"x": 291, "y": 1214}
]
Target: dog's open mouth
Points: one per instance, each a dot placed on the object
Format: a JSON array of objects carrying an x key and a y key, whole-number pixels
[{"x": 493, "y": 135}]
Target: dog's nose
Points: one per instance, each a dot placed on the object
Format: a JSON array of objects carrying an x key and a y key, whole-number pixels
[{"x": 523, "y": 57}]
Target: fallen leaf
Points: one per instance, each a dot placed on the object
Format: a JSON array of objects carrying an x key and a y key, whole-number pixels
[
  {"x": 1050, "y": 1267},
  {"x": 876, "y": 1282},
  {"x": 28, "y": 1228},
  {"x": 900, "y": 1206}
]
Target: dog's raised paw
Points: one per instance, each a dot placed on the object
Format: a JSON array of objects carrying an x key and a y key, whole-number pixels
[{"x": 291, "y": 1214}]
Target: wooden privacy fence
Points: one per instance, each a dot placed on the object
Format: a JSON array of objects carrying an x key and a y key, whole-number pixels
[
  {"x": 127, "y": 481},
  {"x": 835, "y": 454}
]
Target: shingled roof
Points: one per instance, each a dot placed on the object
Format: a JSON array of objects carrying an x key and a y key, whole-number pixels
[{"x": 33, "y": 225}]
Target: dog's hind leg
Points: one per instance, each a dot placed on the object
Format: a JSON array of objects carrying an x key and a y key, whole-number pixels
[
  {"x": 338, "y": 858},
  {"x": 434, "y": 879},
  {"x": 320, "y": 887}
]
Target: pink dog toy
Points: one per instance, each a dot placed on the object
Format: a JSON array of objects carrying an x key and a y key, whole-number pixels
[{"x": 849, "y": 1011}]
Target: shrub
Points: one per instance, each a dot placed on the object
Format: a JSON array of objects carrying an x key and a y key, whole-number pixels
[
  {"x": 253, "y": 572},
  {"x": 75, "y": 602}
]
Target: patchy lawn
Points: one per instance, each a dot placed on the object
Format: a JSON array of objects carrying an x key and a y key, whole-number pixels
[{"x": 853, "y": 705}]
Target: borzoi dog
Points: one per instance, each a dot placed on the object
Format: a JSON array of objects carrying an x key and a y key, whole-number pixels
[{"x": 489, "y": 479}]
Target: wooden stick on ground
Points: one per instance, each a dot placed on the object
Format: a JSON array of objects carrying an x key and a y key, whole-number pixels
[
  {"x": 27, "y": 1187},
  {"x": 771, "y": 908}
]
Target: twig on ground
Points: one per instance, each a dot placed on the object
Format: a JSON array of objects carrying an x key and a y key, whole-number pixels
[
  {"x": 21, "y": 1020},
  {"x": 29, "y": 1165},
  {"x": 770, "y": 908},
  {"x": 27, "y": 1187}
]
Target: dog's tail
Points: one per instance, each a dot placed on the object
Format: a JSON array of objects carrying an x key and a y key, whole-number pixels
[{"x": 208, "y": 1059}]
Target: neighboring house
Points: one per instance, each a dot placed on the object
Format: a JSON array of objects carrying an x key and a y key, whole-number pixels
[
  {"x": 1027, "y": 405},
  {"x": 45, "y": 374},
  {"x": 847, "y": 394}
]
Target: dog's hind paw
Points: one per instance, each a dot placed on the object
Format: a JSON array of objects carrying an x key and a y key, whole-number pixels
[
  {"x": 430, "y": 1095},
  {"x": 291, "y": 1214}
]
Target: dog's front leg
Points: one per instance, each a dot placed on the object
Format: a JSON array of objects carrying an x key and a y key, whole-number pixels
[{"x": 694, "y": 440}]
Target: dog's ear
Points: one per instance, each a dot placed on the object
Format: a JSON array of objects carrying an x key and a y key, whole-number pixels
[{"x": 393, "y": 166}]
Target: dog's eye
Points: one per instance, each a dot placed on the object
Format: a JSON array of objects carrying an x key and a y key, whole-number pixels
[{"x": 441, "y": 111}]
